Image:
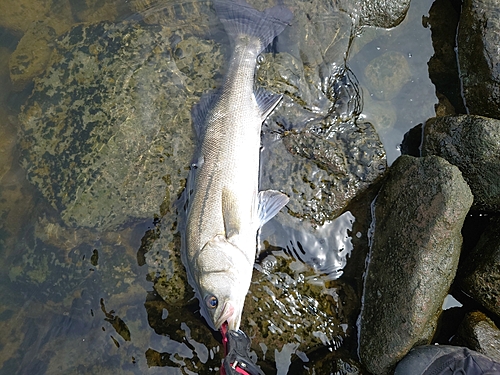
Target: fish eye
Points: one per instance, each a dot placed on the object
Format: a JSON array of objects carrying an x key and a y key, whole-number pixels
[
  {"x": 261, "y": 59},
  {"x": 212, "y": 302}
]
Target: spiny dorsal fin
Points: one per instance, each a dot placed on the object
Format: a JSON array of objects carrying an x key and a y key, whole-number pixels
[{"x": 200, "y": 111}]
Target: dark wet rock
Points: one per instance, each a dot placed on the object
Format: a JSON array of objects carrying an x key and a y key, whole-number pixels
[
  {"x": 444, "y": 107},
  {"x": 412, "y": 141},
  {"x": 310, "y": 68},
  {"x": 109, "y": 123},
  {"x": 387, "y": 74},
  {"x": 443, "y": 66},
  {"x": 479, "y": 333},
  {"x": 377, "y": 12},
  {"x": 478, "y": 56},
  {"x": 320, "y": 156},
  {"x": 480, "y": 274},
  {"x": 419, "y": 213},
  {"x": 472, "y": 143}
]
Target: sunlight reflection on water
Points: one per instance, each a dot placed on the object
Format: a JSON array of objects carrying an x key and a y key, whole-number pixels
[{"x": 325, "y": 248}]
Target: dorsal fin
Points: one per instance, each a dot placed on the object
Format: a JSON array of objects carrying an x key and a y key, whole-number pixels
[{"x": 200, "y": 111}]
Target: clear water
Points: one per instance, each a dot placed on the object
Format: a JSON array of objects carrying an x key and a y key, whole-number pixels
[{"x": 80, "y": 301}]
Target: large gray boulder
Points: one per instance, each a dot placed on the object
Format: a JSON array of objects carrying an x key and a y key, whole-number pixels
[
  {"x": 419, "y": 213},
  {"x": 479, "y": 57},
  {"x": 480, "y": 276},
  {"x": 472, "y": 143}
]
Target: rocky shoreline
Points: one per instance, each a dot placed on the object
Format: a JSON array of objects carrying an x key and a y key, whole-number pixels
[
  {"x": 417, "y": 242},
  {"x": 434, "y": 218}
]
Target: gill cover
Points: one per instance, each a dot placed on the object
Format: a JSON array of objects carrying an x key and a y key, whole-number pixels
[{"x": 223, "y": 277}]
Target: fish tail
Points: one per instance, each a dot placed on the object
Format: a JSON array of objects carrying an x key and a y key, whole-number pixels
[{"x": 240, "y": 18}]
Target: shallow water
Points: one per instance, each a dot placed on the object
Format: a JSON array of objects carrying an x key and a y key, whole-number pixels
[{"x": 82, "y": 301}]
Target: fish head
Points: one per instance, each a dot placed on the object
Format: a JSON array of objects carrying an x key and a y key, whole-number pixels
[{"x": 223, "y": 275}]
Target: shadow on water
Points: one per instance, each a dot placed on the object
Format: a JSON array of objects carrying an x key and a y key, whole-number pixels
[{"x": 91, "y": 277}]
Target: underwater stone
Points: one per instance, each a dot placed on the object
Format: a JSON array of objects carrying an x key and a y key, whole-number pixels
[
  {"x": 323, "y": 170},
  {"x": 31, "y": 55},
  {"x": 387, "y": 74},
  {"x": 106, "y": 134},
  {"x": 380, "y": 13},
  {"x": 17, "y": 16}
]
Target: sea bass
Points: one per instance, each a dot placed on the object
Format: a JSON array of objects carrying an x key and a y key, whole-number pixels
[{"x": 225, "y": 207}]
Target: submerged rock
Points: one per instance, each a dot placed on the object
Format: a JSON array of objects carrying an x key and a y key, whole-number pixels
[
  {"x": 416, "y": 244},
  {"x": 109, "y": 123},
  {"x": 378, "y": 13},
  {"x": 478, "y": 56},
  {"x": 290, "y": 308},
  {"x": 479, "y": 333},
  {"x": 55, "y": 262},
  {"x": 480, "y": 275},
  {"x": 387, "y": 74},
  {"x": 31, "y": 55},
  {"x": 323, "y": 171},
  {"x": 17, "y": 16},
  {"x": 472, "y": 143}
]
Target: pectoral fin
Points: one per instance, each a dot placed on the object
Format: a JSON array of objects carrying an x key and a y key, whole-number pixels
[
  {"x": 232, "y": 224},
  {"x": 266, "y": 101},
  {"x": 270, "y": 203}
]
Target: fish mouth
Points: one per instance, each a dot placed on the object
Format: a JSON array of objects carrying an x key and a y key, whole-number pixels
[{"x": 226, "y": 316}]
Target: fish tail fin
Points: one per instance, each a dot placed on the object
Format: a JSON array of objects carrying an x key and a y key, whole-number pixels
[{"x": 240, "y": 18}]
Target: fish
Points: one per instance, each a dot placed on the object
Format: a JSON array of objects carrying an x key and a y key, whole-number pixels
[{"x": 225, "y": 209}]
